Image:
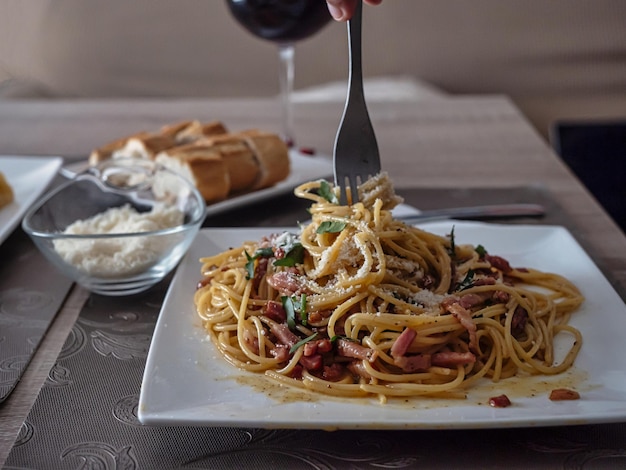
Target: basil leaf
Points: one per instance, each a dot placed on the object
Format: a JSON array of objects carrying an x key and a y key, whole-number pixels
[
  {"x": 293, "y": 257},
  {"x": 295, "y": 347},
  {"x": 467, "y": 282},
  {"x": 290, "y": 311},
  {"x": 303, "y": 316},
  {"x": 326, "y": 191},
  {"x": 267, "y": 252},
  {"x": 452, "y": 250},
  {"x": 259, "y": 253},
  {"x": 299, "y": 304},
  {"x": 481, "y": 251},
  {"x": 249, "y": 266},
  {"x": 331, "y": 226}
]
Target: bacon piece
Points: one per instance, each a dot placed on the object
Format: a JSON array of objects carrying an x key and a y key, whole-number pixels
[
  {"x": 348, "y": 348},
  {"x": 357, "y": 369},
  {"x": 500, "y": 296},
  {"x": 471, "y": 300},
  {"x": 284, "y": 334},
  {"x": 464, "y": 317},
  {"x": 324, "y": 345},
  {"x": 319, "y": 346},
  {"x": 559, "y": 394},
  {"x": 402, "y": 342},
  {"x": 501, "y": 401},
  {"x": 275, "y": 311},
  {"x": 251, "y": 340},
  {"x": 205, "y": 281},
  {"x": 333, "y": 372},
  {"x": 520, "y": 318},
  {"x": 310, "y": 349},
  {"x": 313, "y": 362},
  {"x": 280, "y": 352},
  {"x": 485, "y": 281},
  {"x": 452, "y": 359},
  {"x": 288, "y": 283},
  {"x": 417, "y": 363},
  {"x": 296, "y": 372},
  {"x": 498, "y": 262},
  {"x": 259, "y": 272}
]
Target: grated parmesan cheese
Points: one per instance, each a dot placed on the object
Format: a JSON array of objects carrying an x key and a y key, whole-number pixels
[{"x": 113, "y": 257}]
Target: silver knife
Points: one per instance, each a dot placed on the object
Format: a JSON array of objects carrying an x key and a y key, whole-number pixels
[{"x": 489, "y": 211}]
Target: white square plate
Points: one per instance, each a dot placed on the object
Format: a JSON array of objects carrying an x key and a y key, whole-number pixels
[
  {"x": 28, "y": 176},
  {"x": 187, "y": 382}
]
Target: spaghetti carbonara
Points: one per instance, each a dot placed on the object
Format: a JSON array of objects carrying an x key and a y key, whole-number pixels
[{"x": 360, "y": 304}]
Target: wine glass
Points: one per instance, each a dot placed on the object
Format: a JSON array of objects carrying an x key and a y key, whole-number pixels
[{"x": 283, "y": 22}]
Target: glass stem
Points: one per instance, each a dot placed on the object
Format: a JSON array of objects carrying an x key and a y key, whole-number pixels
[{"x": 286, "y": 54}]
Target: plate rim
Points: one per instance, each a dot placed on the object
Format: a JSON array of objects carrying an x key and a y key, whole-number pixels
[{"x": 49, "y": 165}]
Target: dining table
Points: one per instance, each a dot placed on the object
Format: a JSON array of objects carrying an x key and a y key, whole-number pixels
[{"x": 75, "y": 404}]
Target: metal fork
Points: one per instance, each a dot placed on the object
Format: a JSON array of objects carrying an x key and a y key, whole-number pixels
[{"x": 355, "y": 155}]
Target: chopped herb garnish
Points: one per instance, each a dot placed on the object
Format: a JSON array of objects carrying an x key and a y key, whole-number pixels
[
  {"x": 481, "y": 251},
  {"x": 326, "y": 191},
  {"x": 467, "y": 282},
  {"x": 249, "y": 266},
  {"x": 301, "y": 307},
  {"x": 452, "y": 251},
  {"x": 293, "y": 257},
  {"x": 331, "y": 226},
  {"x": 295, "y": 347},
  {"x": 290, "y": 311},
  {"x": 264, "y": 252},
  {"x": 260, "y": 253}
]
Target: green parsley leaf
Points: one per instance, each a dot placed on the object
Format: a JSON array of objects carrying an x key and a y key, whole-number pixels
[
  {"x": 326, "y": 191},
  {"x": 295, "y": 347},
  {"x": 331, "y": 226}
]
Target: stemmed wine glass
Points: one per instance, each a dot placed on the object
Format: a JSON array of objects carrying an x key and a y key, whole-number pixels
[{"x": 283, "y": 22}]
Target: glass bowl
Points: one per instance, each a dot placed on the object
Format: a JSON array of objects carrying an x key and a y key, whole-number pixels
[{"x": 117, "y": 228}]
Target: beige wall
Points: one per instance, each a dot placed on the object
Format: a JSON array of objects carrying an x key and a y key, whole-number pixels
[{"x": 555, "y": 58}]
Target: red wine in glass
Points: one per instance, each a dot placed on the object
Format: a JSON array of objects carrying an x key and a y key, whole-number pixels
[{"x": 283, "y": 22}]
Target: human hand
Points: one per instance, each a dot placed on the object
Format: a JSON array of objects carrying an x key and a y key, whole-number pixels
[{"x": 342, "y": 10}]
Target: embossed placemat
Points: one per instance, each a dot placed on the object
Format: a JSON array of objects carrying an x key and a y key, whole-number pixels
[
  {"x": 86, "y": 413},
  {"x": 31, "y": 293}
]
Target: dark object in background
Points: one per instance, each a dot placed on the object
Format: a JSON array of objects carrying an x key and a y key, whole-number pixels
[{"x": 596, "y": 153}]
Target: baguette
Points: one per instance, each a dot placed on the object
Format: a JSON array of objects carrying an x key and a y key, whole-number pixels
[
  {"x": 203, "y": 166},
  {"x": 272, "y": 155},
  {"x": 105, "y": 152},
  {"x": 189, "y": 131},
  {"x": 242, "y": 165},
  {"x": 145, "y": 146},
  {"x": 6, "y": 192}
]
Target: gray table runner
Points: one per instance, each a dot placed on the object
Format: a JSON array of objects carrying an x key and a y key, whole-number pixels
[
  {"x": 86, "y": 413},
  {"x": 31, "y": 293}
]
